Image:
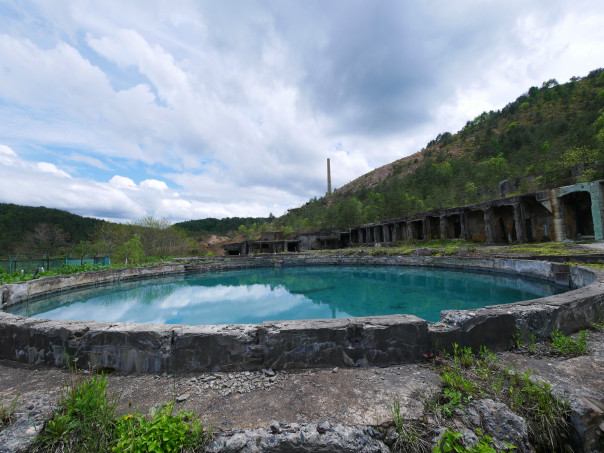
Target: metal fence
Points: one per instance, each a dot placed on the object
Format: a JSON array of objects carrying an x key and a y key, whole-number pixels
[{"x": 18, "y": 263}]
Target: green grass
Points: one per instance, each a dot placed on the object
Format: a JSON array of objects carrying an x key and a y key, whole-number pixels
[
  {"x": 545, "y": 248},
  {"x": 410, "y": 436},
  {"x": 466, "y": 376},
  {"x": 594, "y": 265},
  {"x": 439, "y": 247},
  {"x": 87, "y": 421},
  {"x": 7, "y": 412}
]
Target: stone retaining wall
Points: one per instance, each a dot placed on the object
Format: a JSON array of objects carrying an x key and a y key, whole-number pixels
[{"x": 370, "y": 341}]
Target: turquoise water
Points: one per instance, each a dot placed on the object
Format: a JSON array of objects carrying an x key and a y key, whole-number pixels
[{"x": 269, "y": 294}]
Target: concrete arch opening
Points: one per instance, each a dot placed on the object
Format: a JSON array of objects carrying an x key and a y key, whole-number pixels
[
  {"x": 476, "y": 226},
  {"x": 416, "y": 230},
  {"x": 505, "y": 227},
  {"x": 577, "y": 215},
  {"x": 452, "y": 226},
  {"x": 433, "y": 224}
]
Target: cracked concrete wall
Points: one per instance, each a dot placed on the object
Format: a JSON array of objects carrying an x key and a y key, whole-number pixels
[{"x": 370, "y": 341}]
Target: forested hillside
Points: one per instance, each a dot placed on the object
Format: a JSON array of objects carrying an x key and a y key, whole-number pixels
[
  {"x": 220, "y": 227},
  {"x": 550, "y": 136},
  {"x": 18, "y": 223},
  {"x": 35, "y": 231}
]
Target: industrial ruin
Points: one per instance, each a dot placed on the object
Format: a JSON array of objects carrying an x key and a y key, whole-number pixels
[{"x": 569, "y": 212}]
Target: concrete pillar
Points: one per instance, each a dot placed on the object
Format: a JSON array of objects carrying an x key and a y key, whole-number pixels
[
  {"x": 409, "y": 229},
  {"x": 519, "y": 222},
  {"x": 386, "y": 232},
  {"x": 369, "y": 235},
  {"x": 377, "y": 233},
  {"x": 464, "y": 226},
  {"x": 443, "y": 227},
  {"x": 489, "y": 220},
  {"x": 595, "y": 192},
  {"x": 559, "y": 217},
  {"x": 426, "y": 228},
  {"x": 395, "y": 227}
]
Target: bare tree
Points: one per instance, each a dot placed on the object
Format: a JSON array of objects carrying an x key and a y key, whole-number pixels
[{"x": 45, "y": 238}]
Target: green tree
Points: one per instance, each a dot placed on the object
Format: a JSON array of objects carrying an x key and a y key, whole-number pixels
[
  {"x": 373, "y": 207},
  {"x": 131, "y": 251},
  {"x": 490, "y": 172},
  {"x": 351, "y": 212},
  {"x": 579, "y": 164}
]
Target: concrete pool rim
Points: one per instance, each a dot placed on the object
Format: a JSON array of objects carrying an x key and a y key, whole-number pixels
[{"x": 370, "y": 341}]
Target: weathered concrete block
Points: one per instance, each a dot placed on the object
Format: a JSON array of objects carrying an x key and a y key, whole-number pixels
[{"x": 493, "y": 328}]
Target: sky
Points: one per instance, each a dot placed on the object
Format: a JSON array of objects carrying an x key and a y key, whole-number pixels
[{"x": 193, "y": 109}]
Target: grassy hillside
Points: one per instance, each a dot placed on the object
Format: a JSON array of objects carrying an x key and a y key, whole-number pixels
[{"x": 550, "y": 136}]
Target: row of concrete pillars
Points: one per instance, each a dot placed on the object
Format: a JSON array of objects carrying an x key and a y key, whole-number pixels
[{"x": 569, "y": 212}]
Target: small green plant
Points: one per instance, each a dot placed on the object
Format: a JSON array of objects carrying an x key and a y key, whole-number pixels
[
  {"x": 410, "y": 439},
  {"x": 7, "y": 412},
  {"x": 597, "y": 325},
  {"x": 546, "y": 415},
  {"x": 465, "y": 376},
  {"x": 465, "y": 357},
  {"x": 451, "y": 442},
  {"x": 162, "y": 431},
  {"x": 74, "y": 269},
  {"x": 85, "y": 419},
  {"x": 529, "y": 344},
  {"x": 564, "y": 345},
  {"x": 59, "y": 428}
]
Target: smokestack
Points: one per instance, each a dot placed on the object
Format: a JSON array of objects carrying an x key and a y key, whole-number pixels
[{"x": 328, "y": 178}]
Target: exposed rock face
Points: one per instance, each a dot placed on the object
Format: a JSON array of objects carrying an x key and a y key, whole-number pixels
[
  {"x": 498, "y": 421},
  {"x": 29, "y": 420},
  {"x": 292, "y": 438}
]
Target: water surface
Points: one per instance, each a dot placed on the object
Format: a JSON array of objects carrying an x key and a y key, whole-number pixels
[{"x": 271, "y": 294}]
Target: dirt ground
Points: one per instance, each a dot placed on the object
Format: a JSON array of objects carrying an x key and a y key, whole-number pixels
[{"x": 347, "y": 396}]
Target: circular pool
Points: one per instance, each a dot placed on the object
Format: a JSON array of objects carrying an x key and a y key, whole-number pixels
[
  {"x": 252, "y": 296},
  {"x": 153, "y": 345}
]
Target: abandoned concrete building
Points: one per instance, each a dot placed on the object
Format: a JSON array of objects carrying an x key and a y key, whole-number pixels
[
  {"x": 275, "y": 242},
  {"x": 569, "y": 212}
]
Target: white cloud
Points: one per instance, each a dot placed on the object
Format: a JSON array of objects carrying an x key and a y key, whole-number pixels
[
  {"x": 122, "y": 182},
  {"x": 92, "y": 161},
  {"x": 47, "y": 167},
  {"x": 239, "y": 104},
  {"x": 6, "y": 151},
  {"x": 154, "y": 184}
]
